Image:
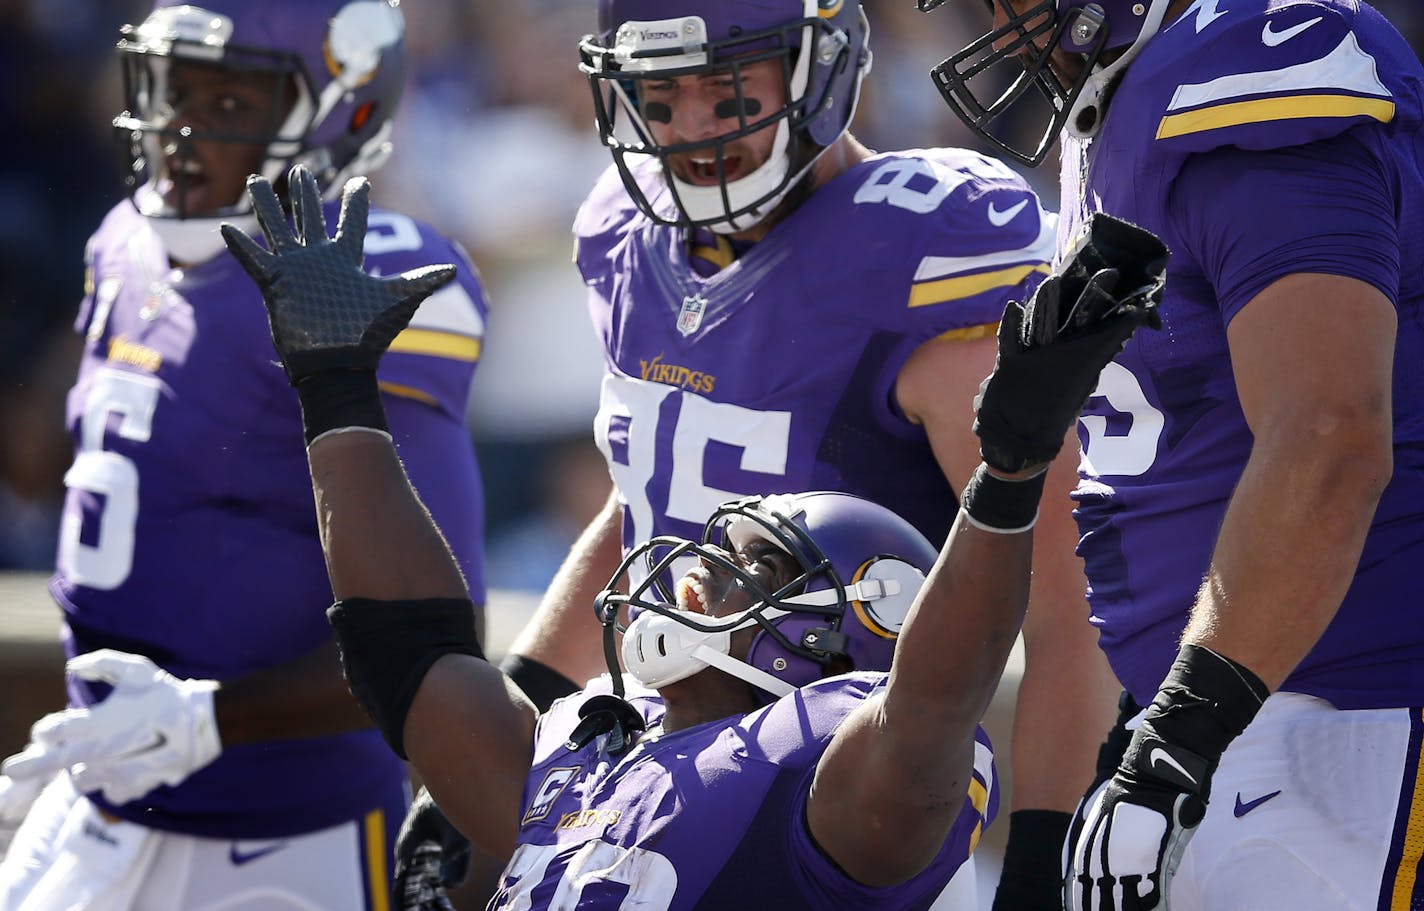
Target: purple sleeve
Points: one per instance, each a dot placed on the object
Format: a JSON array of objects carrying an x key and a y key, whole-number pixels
[
  {"x": 1250, "y": 218},
  {"x": 440, "y": 459}
]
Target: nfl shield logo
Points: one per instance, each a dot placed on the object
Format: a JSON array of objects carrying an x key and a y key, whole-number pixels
[{"x": 689, "y": 318}]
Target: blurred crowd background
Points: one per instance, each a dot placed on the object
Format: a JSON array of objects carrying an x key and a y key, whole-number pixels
[{"x": 495, "y": 145}]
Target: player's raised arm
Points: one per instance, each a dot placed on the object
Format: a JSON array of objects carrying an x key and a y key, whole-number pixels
[
  {"x": 895, "y": 778},
  {"x": 403, "y": 617}
]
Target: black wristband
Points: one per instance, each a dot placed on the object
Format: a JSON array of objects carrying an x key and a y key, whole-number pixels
[
  {"x": 387, "y": 646},
  {"x": 1205, "y": 701},
  {"x": 541, "y": 683},
  {"x": 1032, "y": 875},
  {"x": 998, "y": 505},
  {"x": 334, "y": 399}
]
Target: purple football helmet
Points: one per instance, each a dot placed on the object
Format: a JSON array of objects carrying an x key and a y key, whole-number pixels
[
  {"x": 342, "y": 60},
  {"x": 821, "y": 46},
  {"x": 861, "y": 567},
  {"x": 987, "y": 83}
]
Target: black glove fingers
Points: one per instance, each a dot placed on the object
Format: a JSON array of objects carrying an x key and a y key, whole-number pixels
[
  {"x": 351, "y": 225},
  {"x": 254, "y": 260},
  {"x": 1120, "y": 242},
  {"x": 1094, "y": 305},
  {"x": 306, "y": 205},
  {"x": 1042, "y": 323},
  {"x": 418, "y": 284},
  {"x": 269, "y": 215}
]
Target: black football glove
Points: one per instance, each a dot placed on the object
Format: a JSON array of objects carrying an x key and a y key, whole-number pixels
[
  {"x": 431, "y": 856},
  {"x": 1135, "y": 827},
  {"x": 326, "y": 313},
  {"x": 1052, "y": 349}
]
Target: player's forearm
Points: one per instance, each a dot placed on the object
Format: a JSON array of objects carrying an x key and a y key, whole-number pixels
[
  {"x": 919, "y": 736},
  {"x": 1067, "y": 696},
  {"x": 1290, "y": 544},
  {"x": 380, "y": 542},
  {"x": 956, "y": 641},
  {"x": 470, "y": 735},
  {"x": 564, "y": 634},
  {"x": 306, "y": 697}
]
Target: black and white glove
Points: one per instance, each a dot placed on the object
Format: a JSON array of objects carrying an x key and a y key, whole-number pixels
[
  {"x": 1052, "y": 349},
  {"x": 1135, "y": 827},
  {"x": 330, "y": 320},
  {"x": 431, "y": 856}
]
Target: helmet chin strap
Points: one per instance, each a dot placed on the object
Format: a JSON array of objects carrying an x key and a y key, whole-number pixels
[
  {"x": 1089, "y": 109},
  {"x": 659, "y": 649},
  {"x": 704, "y": 203},
  {"x": 191, "y": 240}
]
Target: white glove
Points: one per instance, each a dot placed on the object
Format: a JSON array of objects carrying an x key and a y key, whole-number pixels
[
  {"x": 16, "y": 798},
  {"x": 152, "y": 730}
]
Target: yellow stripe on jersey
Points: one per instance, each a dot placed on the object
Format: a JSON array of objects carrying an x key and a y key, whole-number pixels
[
  {"x": 979, "y": 797},
  {"x": 408, "y": 392},
  {"x": 438, "y": 344},
  {"x": 940, "y": 290},
  {"x": 1407, "y": 873},
  {"x": 968, "y": 333},
  {"x": 1264, "y": 110},
  {"x": 720, "y": 256},
  {"x": 377, "y": 879}
]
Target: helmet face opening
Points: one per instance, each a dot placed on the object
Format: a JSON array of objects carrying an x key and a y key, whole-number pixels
[
  {"x": 315, "y": 82},
  {"x": 814, "y": 52},
  {"x": 178, "y": 101},
  {"x": 1042, "y": 68},
  {"x": 857, "y": 565}
]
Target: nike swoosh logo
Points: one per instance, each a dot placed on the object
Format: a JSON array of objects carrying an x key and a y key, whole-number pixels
[
  {"x": 999, "y": 219},
  {"x": 240, "y": 857},
  {"x": 1271, "y": 38},
  {"x": 1242, "y": 808},
  {"x": 1160, "y": 755}
]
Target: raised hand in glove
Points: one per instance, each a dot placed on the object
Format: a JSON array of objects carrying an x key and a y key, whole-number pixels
[
  {"x": 330, "y": 320},
  {"x": 431, "y": 856},
  {"x": 1052, "y": 349},
  {"x": 153, "y": 729},
  {"x": 1132, "y": 830}
]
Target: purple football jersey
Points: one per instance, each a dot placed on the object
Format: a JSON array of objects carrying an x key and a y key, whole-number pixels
[
  {"x": 189, "y": 532},
  {"x": 776, "y": 373},
  {"x": 1258, "y": 139},
  {"x": 710, "y": 817}
]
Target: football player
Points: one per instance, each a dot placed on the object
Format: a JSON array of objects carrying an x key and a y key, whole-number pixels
[
  {"x": 782, "y": 309},
  {"x": 1252, "y": 499},
  {"x": 213, "y": 755},
  {"x": 738, "y": 766}
]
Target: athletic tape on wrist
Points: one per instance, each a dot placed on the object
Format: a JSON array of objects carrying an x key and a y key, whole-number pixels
[
  {"x": 1001, "y": 506},
  {"x": 337, "y": 399}
]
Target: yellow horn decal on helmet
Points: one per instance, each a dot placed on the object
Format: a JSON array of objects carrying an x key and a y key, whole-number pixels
[
  {"x": 866, "y": 618},
  {"x": 829, "y": 8}
]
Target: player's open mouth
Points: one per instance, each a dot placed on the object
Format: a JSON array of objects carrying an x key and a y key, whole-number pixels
[
  {"x": 184, "y": 185},
  {"x": 691, "y": 593},
  {"x": 702, "y": 171}
]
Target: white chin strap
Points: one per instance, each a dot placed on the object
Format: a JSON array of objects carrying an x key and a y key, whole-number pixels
[
  {"x": 703, "y": 204},
  {"x": 659, "y": 649},
  {"x": 190, "y": 240},
  {"x": 1089, "y": 109}
]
